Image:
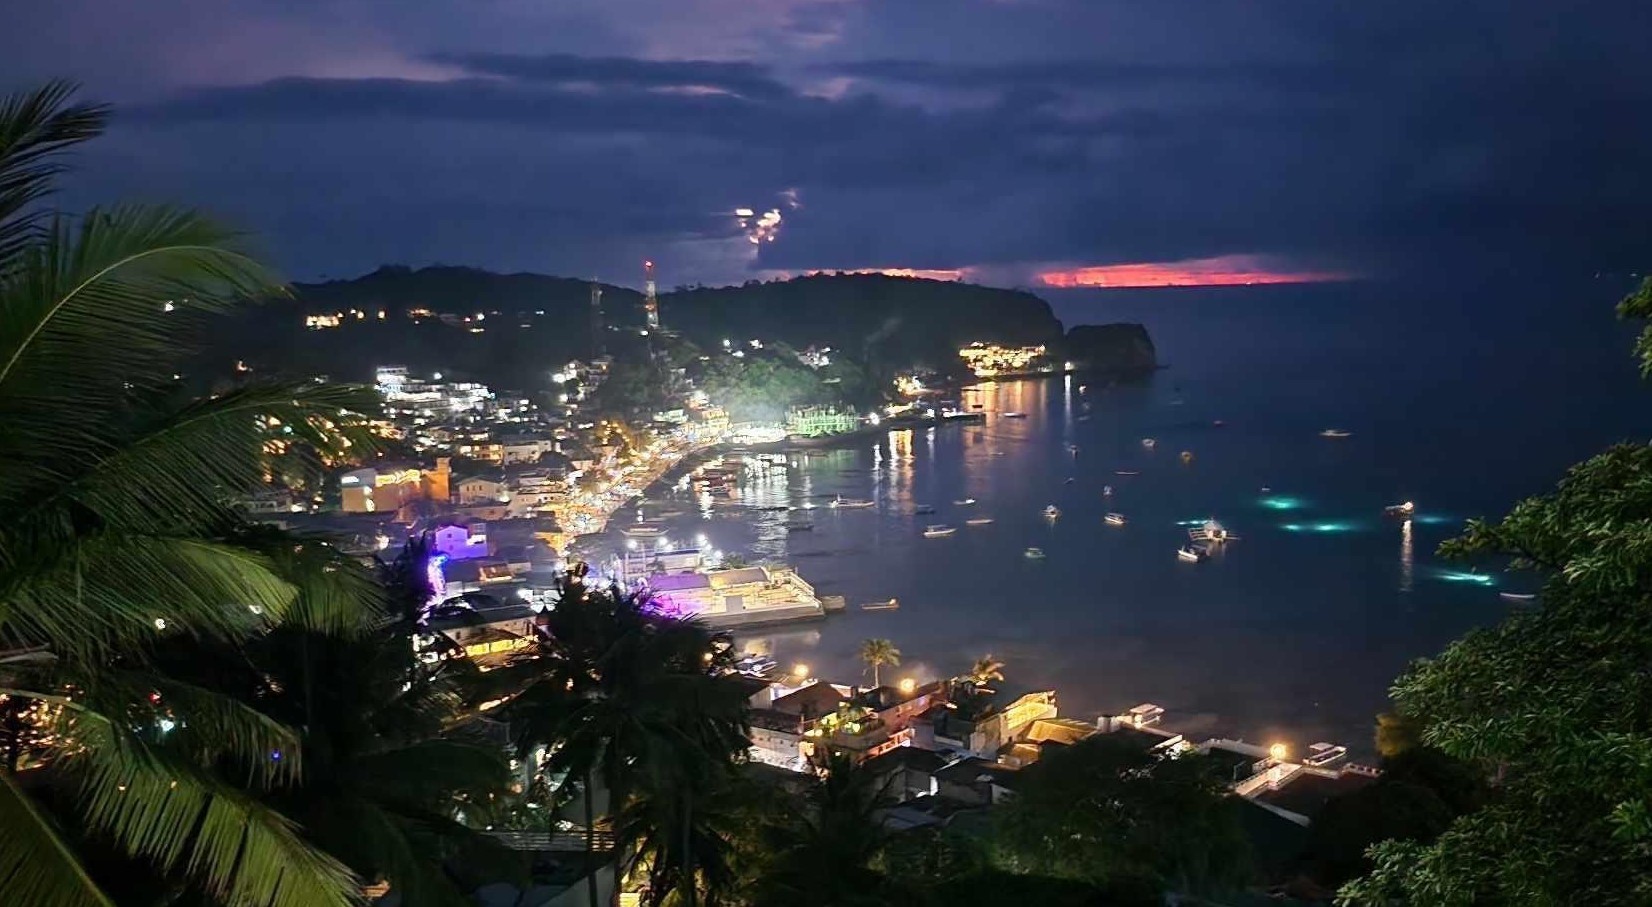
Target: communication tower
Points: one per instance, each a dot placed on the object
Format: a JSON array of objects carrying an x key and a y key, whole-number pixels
[{"x": 651, "y": 302}]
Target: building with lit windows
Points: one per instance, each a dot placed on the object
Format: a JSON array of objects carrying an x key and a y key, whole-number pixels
[
  {"x": 988, "y": 360},
  {"x": 815, "y": 421}
]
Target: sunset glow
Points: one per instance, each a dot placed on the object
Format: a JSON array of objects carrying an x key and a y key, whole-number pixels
[
  {"x": 923, "y": 273},
  {"x": 1223, "y": 271}
]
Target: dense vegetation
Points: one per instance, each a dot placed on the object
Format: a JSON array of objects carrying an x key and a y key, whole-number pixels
[{"x": 533, "y": 323}]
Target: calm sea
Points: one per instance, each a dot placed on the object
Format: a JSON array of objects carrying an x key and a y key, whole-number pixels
[{"x": 1462, "y": 401}]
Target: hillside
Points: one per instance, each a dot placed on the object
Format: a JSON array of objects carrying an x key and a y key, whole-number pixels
[{"x": 513, "y": 330}]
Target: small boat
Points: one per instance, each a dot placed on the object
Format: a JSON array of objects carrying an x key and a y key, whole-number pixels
[
  {"x": 964, "y": 502},
  {"x": 1106, "y": 491},
  {"x": 1518, "y": 596},
  {"x": 1127, "y": 472},
  {"x": 850, "y": 503},
  {"x": 978, "y": 521},
  {"x": 1190, "y": 553},
  {"x": 924, "y": 508},
  {"x": 1266, "y": 489},
  {"x": 1015, "y": 415},
  {"x": 1149, "y": 443},
  {"x": 889, "y": 605},
  {"x": 1218, "y": 423},
  {"x": 644, "y": 531},
  {"x": 1400, "y": 511},
  {"x": 1072, "y": 448},
  {"x": 1187, "y": 456},
  {"x": 1114, "y": 519},
  {"x": 800, "y": 526},
  {"x": 1036, "y": 554},
  {"x": 1334, "y": 433},
  {"x": 1070, "y": 480},
  {"x": 938, "y": 531},
  {"x": 1051, "y": 512}
]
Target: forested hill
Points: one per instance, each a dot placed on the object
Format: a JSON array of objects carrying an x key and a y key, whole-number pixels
[
  {"x": 896, "y": 319},
  {"x": 530, "y": 324}
]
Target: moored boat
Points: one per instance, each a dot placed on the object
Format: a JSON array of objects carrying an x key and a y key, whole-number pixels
[
  {"x": 851, "y": 503},
  {"x": 1052, "y": 512},
  {"x": 1335, "y": 433},
  {"x": 938, "y": 531},
  {"x": 978, "y": 521},
  {"x": 964, "y": 502},
  {"x": 1036, "y": 554},
  {"x": 889, "y": 605},
  {"x": 1015, "y": 415},
  {"x": 1518, "y": 596},
  {"x": 1400, "y": 511},
  {"x": 1191, "y": 554},
  {"x": 1149, "y": 443},
  {"x": 1114, "y": 519}
]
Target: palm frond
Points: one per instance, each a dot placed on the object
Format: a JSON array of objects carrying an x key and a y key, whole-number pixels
[
  {"x": 35, "y": 128},
  {"x": 115, "y": 591},
  {"x": 93, "y": 312},
  {"x": 179, "y": 468},
  {"x": 36, "y": 866},
  {"x": 160, "y": 808}
]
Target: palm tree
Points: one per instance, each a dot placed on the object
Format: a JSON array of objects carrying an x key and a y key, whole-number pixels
[
  {"x": 631, "y": 701},
  {"x": 986, "y": 670},
  {"x": 118, "y": 534},
  {"x": 822, "y": 852},
  {"x": 877, "y": 653}
]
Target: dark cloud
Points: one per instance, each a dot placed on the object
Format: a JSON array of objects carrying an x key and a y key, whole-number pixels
[{"x": 933, "y": 134}]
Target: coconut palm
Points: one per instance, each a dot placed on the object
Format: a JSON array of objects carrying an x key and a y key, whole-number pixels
[
  {"x": 986, "y": 670},
  {"x": 633, "y": 703},
  {"x": 118, "y": 532},
  {"x": 877, "y": 653},
  {"x": 822, "y": 852}
]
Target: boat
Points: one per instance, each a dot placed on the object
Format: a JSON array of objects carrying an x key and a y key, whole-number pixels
[
  {"x": 964, "y": 502},
  {"x": 1036, "y": 554},
  {"x": 1127, "y": 472},
  {"x": 938, "y": 531},
  {"x": 1190, "y": 553},
  {"x": 1211, "y": 533},
  {"x": 1149, "y": 443},
  {"x": 1518, "y": 596},
  {"x": 978, "y": 521},
  {"x": 924, "y": 508},
  {"x": 1072, "y": 448},
  {"x": 1015, "y": 415},
  {"x": 850, "y": 503},
  {"x": 756, "y": 665},
  {"x": 1334, "y": 433},
  {"x": 1051, "y": 512},
  {"x": 1070, "y": 480},
  {"x": 1106, "y": 491},
  {"x": 644, "y": 531},
  {"x": 1187, "y": 456},
  {"x": 800, "y": 526},
  {"x": 1114, "y": 519},
  {"x": 889, "y": 605},
  {"x": 1400, "y": 511}
]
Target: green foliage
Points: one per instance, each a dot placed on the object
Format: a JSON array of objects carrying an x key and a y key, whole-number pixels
[
  {"x": 879, "y": 652},
  {"x": 118, "y": 539},
  {"x": 1555, "y": 703},
  {"x": 1396, "y": 734},
  {"x": 1638, "y": 306},
  {"x": 763, "y": 385},
  {"x": 1418, "y": 796},
  {"x": 1109, "y": 813},
  {"x": 823, "y": 851}
]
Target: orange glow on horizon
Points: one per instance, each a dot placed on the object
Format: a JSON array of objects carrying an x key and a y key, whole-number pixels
[
  {"x": 1222, "y": 271},
  {"x": 922, "y": 273}
]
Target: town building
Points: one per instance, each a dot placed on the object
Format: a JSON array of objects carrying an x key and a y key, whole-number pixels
[
  {"x": 738, "y": 598},
  {"x": 816, "y": 421}
]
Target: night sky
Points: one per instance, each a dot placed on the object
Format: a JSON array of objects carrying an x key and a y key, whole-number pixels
[{"x": 1018, "y": 142}]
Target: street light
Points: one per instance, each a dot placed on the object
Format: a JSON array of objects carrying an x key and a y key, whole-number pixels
[
  {"x": 1278, "y": 752},
  {"x": 908, "y": 685},
  {"x": 801, "y": 671}
]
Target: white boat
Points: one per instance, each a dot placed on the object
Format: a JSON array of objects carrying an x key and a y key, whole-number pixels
[
  {"x": 1114, "y": 519},
  {"x": 889, "y": 605},
  {"x": 1518, "y": 596},
  {"x": 1190, "y": 553},
  {"x": 964, "y": 502},
  {"x": 1148, "y": 443},
  {"x": 644, "y": 531},
  {"x": 1052, "y": 512},
  {"x": 1015, "y": 415},
  {"x": 1127, "y": 472},
  {"x": 1402, "y": 511},
  {"x": 800, "y": 526},
  {"x": 1036, "y": 554},
  {"x": 1106, "y": 491},
  {"x": 851, "y": 503},
  {"x": 938, "y": 531},
  {"x": 978, "y": 521},
  {"x": 1334, "y": 433}
]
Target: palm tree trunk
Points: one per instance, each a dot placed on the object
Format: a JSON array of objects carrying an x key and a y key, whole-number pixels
[
  {"x": 875, "y": 681},
  {"x": 688, "y": 846},
  {"x": 591, "y": 842}
]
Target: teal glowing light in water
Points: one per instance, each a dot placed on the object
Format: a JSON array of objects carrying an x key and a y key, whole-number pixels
[
  {"x": 1198, "y": 522},
  {"x": 1432, "y": 519},
  {"x": 1458, "y": 576},
  {"x": 1327, "y": 526},
  {"x": 1279, "y": 502}
]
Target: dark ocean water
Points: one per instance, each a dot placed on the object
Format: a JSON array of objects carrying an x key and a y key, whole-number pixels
[{"x": 1463, "y": 401}]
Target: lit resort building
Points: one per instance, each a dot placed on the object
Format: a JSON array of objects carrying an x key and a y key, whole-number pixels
[
  {"x": 815, "y": 421},
  {"x": 739, "y": 597},
  {"x": 989, "y": 359}
]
